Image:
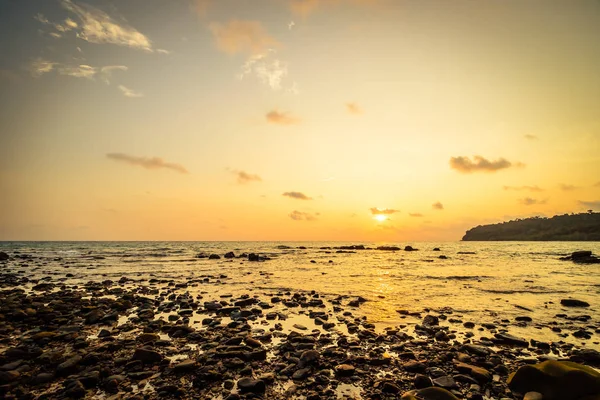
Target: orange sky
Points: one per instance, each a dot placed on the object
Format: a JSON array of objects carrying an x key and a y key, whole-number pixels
[{"x": 376, "y": 120}]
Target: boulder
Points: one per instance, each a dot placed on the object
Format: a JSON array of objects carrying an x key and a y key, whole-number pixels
[
  {"x": 574, "y": 303},
  {"x": 214, "y": 257},
  {"x": 556, "y": 380},
  {"x": 4, "y": 256},
  {"x": 229, "y": 255}
]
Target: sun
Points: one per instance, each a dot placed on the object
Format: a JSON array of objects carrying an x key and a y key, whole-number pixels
[{"x": 380, "y": 217}]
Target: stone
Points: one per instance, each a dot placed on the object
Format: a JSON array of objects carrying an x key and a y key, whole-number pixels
[
  {"x": 344, "y": 370},
  {"x": 422, "y": 381},
  {"x": 147, "y": 356},
  {"x": 229, "y": 255},
  {"x": 533, "y": 396},
  {"x": 9, "y": 377},
  {"x": 562, "y": 380},
  {"x": 68, "y": 366},
  {"x": 4, "y": 256},
  {"x": 214, "y": 257},
  {"x": 480, "y": 374},
  {"x": 148, "y": 337},
  {"x": 431, "y": 320},
  {"x": 447, "y": 382},
  {"x": 389, "y": 387},
  {"x": 432, "y": 393},
  {"x": 301, "y": 374},
  {"x": 574, "y": 303},
  {"x": 506, "y": 338},
  {"x": 309, "y": 357},
  {"x": 185, "y": 366},
  {"x": 251, "y": 385}
]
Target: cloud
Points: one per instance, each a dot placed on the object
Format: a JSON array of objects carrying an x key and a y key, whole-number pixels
[
  {"x": 297, "y": 195},
  {"x": 437, "y": 206},
  {"x": 269, "y": 71},
  {"x": 95, "y": 26},
  {"x": 106, "y": 72},
  {"x": 201, "y": 7},
  {"x": 353, "y": 108},
  {"x": 146, "y": 162},
  {"x": 528, "y": 201},
  {"x": 465, "y": 165},
  {"x": 567, "y": 188},
  {"x": 594, "y": 205},
  {"x": 415, "y": 215},
  {"x": 519, "y": 188},
  {"x": 40, "y": 67},
  {"x": 244, "y": 177},
  {"x": 530, "y": 137},
  {"x": 280, "y": 118},
  {"x": 302, "y": 216},
  {"x": 304, "y": 8},
  {"x": 384, "y": 211},
  {"x": 240, "y": 36},
  {"x": 64, "y": 27},
  {"x": 129, "y": 92},
  {"x": 78, "y": 71}
]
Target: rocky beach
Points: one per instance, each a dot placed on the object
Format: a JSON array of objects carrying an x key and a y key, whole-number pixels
[{"x": 202, "y": 336}]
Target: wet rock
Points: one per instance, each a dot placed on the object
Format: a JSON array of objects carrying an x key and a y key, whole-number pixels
[
  {"x": 147, "y": 356},
  {"x": 505, "y": 338},
  {"x": 185, "y": 366},
  {"x": 562, "y": 380},
  {"x": 431, "y": 320},
  {"x": 422, "y": 381},
  {"x": 309, "y": 357},
  {"x": 389, "y": 387},
  {"x": 480, "y": 374},
  {"x": 214, "y": 257},
  {"x": 246, "y": 385},
  {"x": 432, "y": 393},
  {"x": 446, "y": 382},
  {"x": 68, "y": 366},
  {"x": 414, "y": 366},
  {"x": 344, "y": 370},
  {"x": 410, "y": 248},
  {"x": 582, "y": 257},
  {"x": 301, "y": 374},
  {"x": 4, "y": 256},
  {"x": 229, "y": 255},
  {"x": 588, "y": 356},
  {"x": 574, "y": 303}
]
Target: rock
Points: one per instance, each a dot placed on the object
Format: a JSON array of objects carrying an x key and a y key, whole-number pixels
[
  {"x": 431, "y": 320},
  {"x": 68, "y": 366},
  {"x": 76, "y": 390},
  {"x": 506, "y": 338},
  {"x": 229, "y": 255},
  {"x": 147, "y": 356},
  {"x": 185, "y": 366},
  {"x": 253, "y": 257},
  {"x": 214, "y": 257},
  {"x": 9, "y": 377},
  {"x": 480, "y": 374},
  {"x": 309, "y": 357},
  {"x": 388, "y": 248},
  {"x": 523, "y": 318},
  {"x": 301, "y": 374},
  {"x": 410, "y": 248},
  {"x": 344, "y": 370},
  {"x": 562, "y": 380},
  {"x": 588, "y": 356},
  {"x": 422, "y": 381},
  {"x": 574, "y": 303},
  {"x": 582, "y": 257},
  {"x": 251, "y": 385},
  {"x": 4, "y": 256},
  {"x": 389, "y": 387},
  {"x": 533, "y": 396},
  {"x": 445, "y": 381},
  {"x": 432, "y": 393},
  {"x": 414, "y": 366}
]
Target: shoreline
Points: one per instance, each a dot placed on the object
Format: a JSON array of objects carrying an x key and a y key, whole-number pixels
[{"x": 153, "y": 338}]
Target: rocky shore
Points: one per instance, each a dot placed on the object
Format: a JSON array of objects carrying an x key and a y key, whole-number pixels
[{"x": 162, "y": 338}]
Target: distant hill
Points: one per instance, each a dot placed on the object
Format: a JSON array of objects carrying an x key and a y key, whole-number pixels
[{"x": 567, "y": 227}]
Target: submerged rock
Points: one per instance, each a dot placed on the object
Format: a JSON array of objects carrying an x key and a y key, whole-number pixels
[{"x": 556, "y": 380}]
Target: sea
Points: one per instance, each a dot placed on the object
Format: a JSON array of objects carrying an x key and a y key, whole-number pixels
[{"x": 475, "y": 281}]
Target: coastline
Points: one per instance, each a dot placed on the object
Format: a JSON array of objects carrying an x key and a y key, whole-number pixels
[{"x": 187, "y": 338}]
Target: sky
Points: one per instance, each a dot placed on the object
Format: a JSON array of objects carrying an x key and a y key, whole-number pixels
[{"x": 350, "y": 120}]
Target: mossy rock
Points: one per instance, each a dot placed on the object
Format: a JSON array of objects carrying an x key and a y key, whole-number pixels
[
  {"x": 557, "y": 380},
  {"x": 430, "y": 393}
]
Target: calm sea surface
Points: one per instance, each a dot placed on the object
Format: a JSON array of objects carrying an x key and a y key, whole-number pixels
[{"x": 482, "y": 287}]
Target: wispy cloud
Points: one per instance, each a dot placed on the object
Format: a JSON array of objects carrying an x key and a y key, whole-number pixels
[
  {"x": 40, "y": 67},
  {"x": 530, "y": 137},
  {"x": 418, "y": 215},
  {"x": 146, "y": 162},
  {"x": 567, "y": 188},
  {"x": 96, "y": 26},
  {"x": 437, "y": 206},
  {"x": 106, "y": 72},
  {"x": 281, "y": 118},
  {"x": 383, "y": 211},
  {"x": 302, "y": 216},
  {"x": 241, "y": 36},
  {"x": 61, "y": 28},
  {"x": 520, "y": 188},
  {"x": 480, "y": 164},
  {"x": 244, "y": 177},
  {"x": 528, "y": 201},
  {"x": 129, "y": 92},
  {"x": 594, "y": 205},
  {"x": 78, "y": 71},
  {"x": 297, "y": 195},
  {"x": 268, "y": 70}
]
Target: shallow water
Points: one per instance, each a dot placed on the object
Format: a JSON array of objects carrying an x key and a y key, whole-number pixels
[{"x": 482, "y": 287}]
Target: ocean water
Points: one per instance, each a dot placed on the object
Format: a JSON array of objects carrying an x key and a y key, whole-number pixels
[{"x": 493, "y": 282}]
